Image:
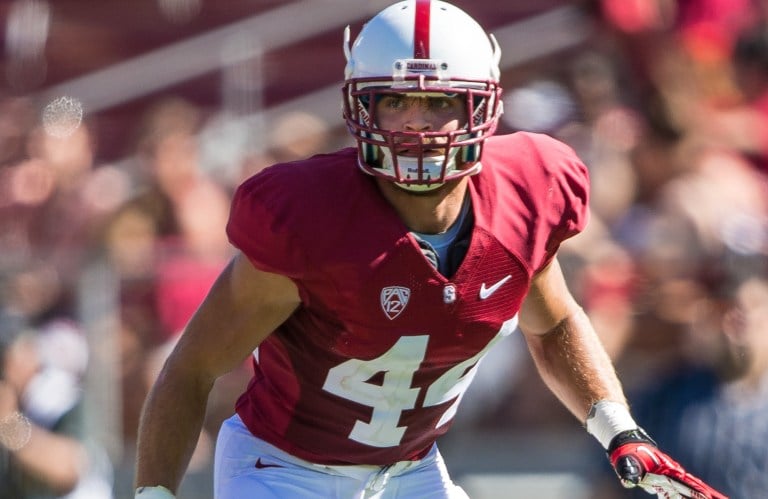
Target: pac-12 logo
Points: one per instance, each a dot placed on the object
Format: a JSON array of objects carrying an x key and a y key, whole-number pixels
[{"x": 394, "y": 300}]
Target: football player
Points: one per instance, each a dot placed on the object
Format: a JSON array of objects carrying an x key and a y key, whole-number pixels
[{"x": 371, "y": 281}]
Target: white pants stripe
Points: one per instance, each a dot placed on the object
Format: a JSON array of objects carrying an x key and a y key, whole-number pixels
[{"x": 283, "y": 476}]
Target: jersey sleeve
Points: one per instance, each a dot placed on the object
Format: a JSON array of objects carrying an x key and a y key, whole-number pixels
[
  {"x": 261, "y": 225},
  {"x": 557, "y": 182},
  {"x": 568, "y": 211}
]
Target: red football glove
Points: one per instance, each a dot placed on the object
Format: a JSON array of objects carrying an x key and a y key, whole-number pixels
[{"x": 639, "y": 463}]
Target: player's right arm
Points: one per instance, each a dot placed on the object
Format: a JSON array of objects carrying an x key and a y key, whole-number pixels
[{"x": 242, "y": 308}]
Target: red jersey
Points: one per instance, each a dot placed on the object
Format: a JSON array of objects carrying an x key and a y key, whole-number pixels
[{"x": 372, "y": 365}]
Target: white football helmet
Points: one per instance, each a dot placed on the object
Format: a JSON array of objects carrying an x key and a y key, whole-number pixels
[{"x": 421, "y": 47}]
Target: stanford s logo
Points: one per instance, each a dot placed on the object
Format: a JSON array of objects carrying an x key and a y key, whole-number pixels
[{"x": 394, "y": 299}]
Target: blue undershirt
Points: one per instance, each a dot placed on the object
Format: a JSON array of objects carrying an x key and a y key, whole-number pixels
[{"x": 441, "y": 243}]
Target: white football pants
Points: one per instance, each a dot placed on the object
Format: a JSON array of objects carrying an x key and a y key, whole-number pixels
[{"x": 247, "y": 467}]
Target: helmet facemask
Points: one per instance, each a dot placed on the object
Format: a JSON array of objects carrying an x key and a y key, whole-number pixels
[
  {"x": 439, "y": 156},
  {"x": 388, "y": 57}
]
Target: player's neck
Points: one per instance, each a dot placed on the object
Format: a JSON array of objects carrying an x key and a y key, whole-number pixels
[{"x": 428, "y": 213}]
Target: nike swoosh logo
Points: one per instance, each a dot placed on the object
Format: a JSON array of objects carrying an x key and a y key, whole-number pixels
[
  {"x": 486, "y": 292},
  {"x": 259, "y": 465}
]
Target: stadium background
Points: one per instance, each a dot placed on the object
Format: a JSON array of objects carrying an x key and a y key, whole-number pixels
[{"x": 244, "y": 83}]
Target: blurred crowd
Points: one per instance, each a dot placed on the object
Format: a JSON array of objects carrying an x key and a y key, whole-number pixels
[{"x": 667, "y": 103}]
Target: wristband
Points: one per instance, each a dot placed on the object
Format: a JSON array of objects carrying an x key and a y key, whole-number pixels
[
  {"x": 157, "y": 492},
  {"x": 607, "y": 419}
]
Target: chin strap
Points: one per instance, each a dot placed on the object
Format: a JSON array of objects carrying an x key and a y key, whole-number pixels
[{"x": 431, "y": 165}]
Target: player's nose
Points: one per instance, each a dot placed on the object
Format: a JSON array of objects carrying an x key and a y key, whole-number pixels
[{"x": 417, "y": 119}]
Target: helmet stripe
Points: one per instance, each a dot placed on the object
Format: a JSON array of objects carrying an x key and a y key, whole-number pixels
[{"x": 421, "y": 30}]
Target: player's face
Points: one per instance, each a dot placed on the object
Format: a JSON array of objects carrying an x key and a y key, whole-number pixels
[{"x": 412, "y": 113}]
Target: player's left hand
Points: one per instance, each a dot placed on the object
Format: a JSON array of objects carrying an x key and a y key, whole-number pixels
[{"x": 639, "y": 463}]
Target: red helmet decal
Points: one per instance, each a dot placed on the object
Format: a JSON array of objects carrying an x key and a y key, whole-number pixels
[{"x": 421, "y": 30}]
